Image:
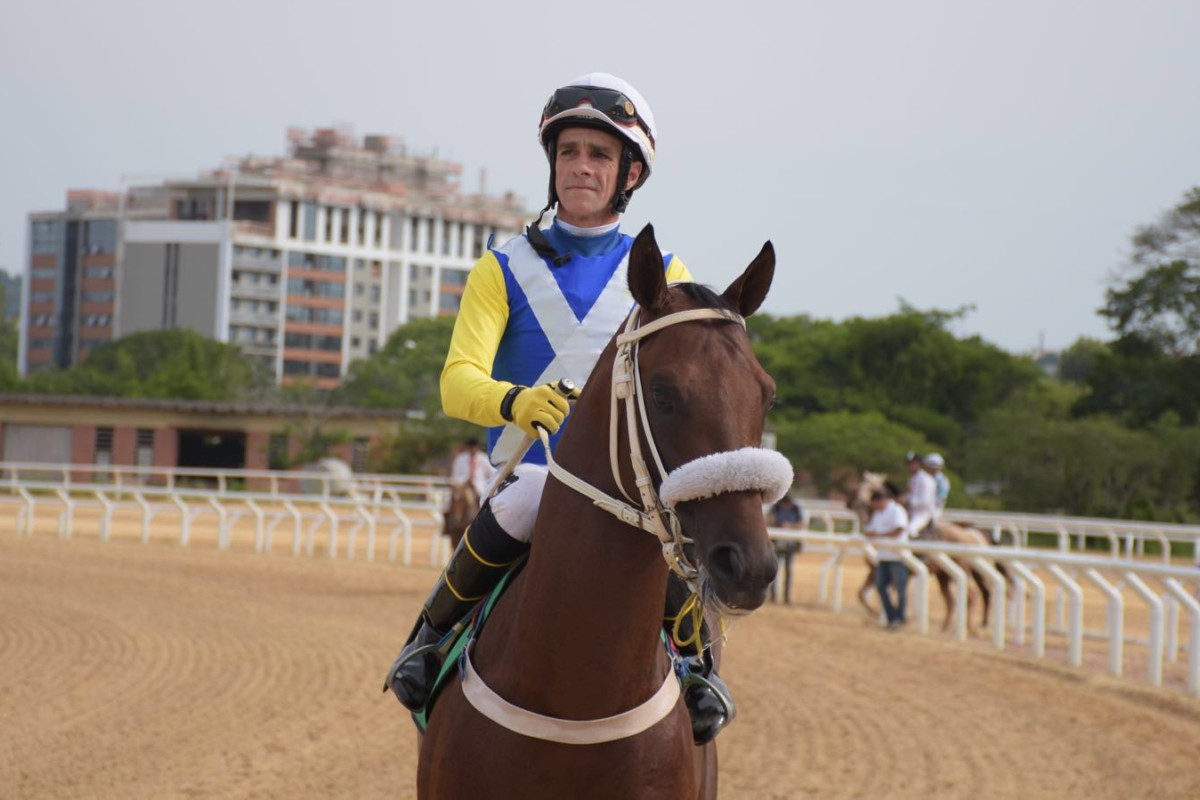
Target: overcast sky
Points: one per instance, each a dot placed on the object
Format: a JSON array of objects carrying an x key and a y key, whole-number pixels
[{"x": 996, "y": 154}]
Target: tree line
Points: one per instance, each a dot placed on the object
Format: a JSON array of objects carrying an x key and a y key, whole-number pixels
[{"x": 1115, "y": 433}]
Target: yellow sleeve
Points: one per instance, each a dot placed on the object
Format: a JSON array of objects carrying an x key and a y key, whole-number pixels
[
  {"x": 468, "y": 391},
  {"x": 676, "y": 271}
]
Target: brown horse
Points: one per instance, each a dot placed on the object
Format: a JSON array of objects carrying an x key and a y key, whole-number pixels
[
  {"x": 464, "y": 505},
  {"x": 943, "y": 531},
  {"x": 576, "y": 639}
]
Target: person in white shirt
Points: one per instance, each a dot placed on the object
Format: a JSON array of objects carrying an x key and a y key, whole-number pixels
[
  {"x": 921, "y": 497},
  {"x": 934, "y": 464},
  {"x": 471, "y": 467},
  {"x": 889, "y": 522}
]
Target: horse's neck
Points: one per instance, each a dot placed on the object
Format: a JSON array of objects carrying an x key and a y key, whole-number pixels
[{"x": 588, "y": 608}]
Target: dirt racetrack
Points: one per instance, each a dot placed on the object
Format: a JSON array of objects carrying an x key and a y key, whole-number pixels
[{"x": 151, "y": 671}]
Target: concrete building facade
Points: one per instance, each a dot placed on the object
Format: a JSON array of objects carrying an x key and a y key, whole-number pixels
[{"x": 307, "y": 261}]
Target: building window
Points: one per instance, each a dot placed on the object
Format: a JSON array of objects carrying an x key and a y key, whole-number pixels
[
  {"x": 47, "y": 237},
  {"x": 144, "y": 455},
  {"x": 375, "y": 294},
  {"x": 43, "y": 273},
  {"x": 317, "y": 262},
  {"x": 99, "y": 273},
  {"x": 41, "y": 297},
  {"x": 310, "y": 222},
  {"x": 97, "y": 297},
  {"x": 414, "y": 230},
  {"x": 293, "y": 219},
  {"x": 373, "y": 321},
  {"x": 103, "y": 448},
  {"x": 100, "y": 236}
]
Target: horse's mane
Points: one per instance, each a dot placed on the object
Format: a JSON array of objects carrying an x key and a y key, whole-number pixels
[{"x": 704, "y": 296}]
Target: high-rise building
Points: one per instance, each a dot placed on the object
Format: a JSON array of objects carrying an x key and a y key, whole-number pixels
[
  {"x": 308, "y": 261},
  {"x": 69, "y": 291}
]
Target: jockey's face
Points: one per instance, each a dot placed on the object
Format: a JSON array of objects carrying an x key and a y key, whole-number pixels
[{"x": 585, "y": 176}]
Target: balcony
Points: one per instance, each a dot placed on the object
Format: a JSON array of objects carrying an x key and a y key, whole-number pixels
[
  {"x": 254, "y": 291},
  {"x": 241, "y": 316}
]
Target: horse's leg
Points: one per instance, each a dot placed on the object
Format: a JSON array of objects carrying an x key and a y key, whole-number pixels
[
  {"x": 947, "y": 597},
  {"x": 985, "y": 591},
  {"x": 865, "y": 589}
]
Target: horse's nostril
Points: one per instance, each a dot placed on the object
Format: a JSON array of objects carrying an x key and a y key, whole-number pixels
[{"x": 725, "y": 562}]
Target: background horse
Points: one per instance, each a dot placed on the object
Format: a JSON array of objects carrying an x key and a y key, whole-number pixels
[
  {"x": 464, "y": 505},
  {"x": 860, "y": 502},
  {"x": 577, "y": 636}
]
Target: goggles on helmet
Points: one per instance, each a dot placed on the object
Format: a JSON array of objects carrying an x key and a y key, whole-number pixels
[{"x": 610, "y": 102}]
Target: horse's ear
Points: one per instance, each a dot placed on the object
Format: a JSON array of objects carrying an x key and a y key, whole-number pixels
[
  {"x": 647, "y": 278},
  {"x": 748, "y": 291}
]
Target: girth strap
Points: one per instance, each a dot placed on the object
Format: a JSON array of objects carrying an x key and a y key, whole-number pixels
[{"x": 567, "y": 731}]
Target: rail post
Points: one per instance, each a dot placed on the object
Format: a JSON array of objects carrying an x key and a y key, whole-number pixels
[
  {"x": 259, "y": 526},
  {"x": 999, "y": 598},
  {"x": 1193, "y": 670},
  {"x": 66, "y": 517},
  {"x": 26, "y": 518},
  {"x": 1115, "y": 620},
  {"x": 1039, "y": 606},
  {"x": 147, "y": 513},
  {"x": 960, "y": 594},
  {"x": 106, "y": 517},
  {"x": 333, "y": 530},
  {"x": 922, "y": 572},
  {"x": 1075, "y": 623},
  {"x": 1154, "y": 660},
  {"x": 222, "y": 524}
]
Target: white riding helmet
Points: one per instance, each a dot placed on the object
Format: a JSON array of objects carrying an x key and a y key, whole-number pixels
[
  {"x": 935, "y": 461},
  {"x": 605, "y": 102}
]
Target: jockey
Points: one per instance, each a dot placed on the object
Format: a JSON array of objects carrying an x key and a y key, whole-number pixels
[
  {"x": 541, "y": 307},
  {"x": 934, "y": 464},
  {"x": 921, "y": 497}
]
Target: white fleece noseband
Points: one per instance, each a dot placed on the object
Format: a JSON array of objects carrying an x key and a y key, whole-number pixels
[{"x": 745, "y": 470}]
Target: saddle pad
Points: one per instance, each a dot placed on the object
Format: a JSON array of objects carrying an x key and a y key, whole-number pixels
[{"x": 468, "y": 629}]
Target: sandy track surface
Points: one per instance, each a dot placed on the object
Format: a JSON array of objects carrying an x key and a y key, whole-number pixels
[{"x": 149, "y": 671}]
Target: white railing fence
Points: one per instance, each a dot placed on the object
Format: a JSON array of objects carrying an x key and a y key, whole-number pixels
[
  {"x": 1020, "y": 615},
  {"x": 1120, "y": 537},
  {"x": 319, "y": 512}
]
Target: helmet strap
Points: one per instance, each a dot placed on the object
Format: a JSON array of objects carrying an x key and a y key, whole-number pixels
[
  {"x": 621, "y": 196},
  {"x": 538, "y": 241}
]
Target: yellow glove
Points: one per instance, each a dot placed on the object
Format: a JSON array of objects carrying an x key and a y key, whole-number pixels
[{"x": 540, "y": 405}]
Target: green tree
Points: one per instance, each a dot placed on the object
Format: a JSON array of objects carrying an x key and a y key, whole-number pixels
[
  {"x": 1153, "y": 367},
  {"x": 178, "y": 363},
  {"x": 906, "y": 366},
  {"x": 406, "y": 371},
  {"x": 834, "y": 448},
  {"x": 405, "y": 374},
  {"x": 1035, "y": 456}
]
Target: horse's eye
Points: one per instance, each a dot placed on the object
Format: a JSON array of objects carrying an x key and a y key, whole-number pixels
[{"x": 661, "y": 397}]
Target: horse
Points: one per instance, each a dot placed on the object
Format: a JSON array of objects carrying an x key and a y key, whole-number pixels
[
  {"x": 943, "y": 531},
  {"x": 463, "y": 506},
  {"x": 573, "y": 649}
]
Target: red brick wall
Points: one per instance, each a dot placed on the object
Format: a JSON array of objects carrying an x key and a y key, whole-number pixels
[
  {"x": 124, "y": 441},
  {"x": 166, "y": 447},
  {"x": 83, "y": 449}
]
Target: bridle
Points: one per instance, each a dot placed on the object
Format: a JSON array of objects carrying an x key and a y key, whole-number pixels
[{"x": 657, "y": 515}]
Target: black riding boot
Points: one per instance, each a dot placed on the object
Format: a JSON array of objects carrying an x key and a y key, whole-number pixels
[
  {"x": 481, "y": 559},
  {"x": 708, "y": 700}
]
